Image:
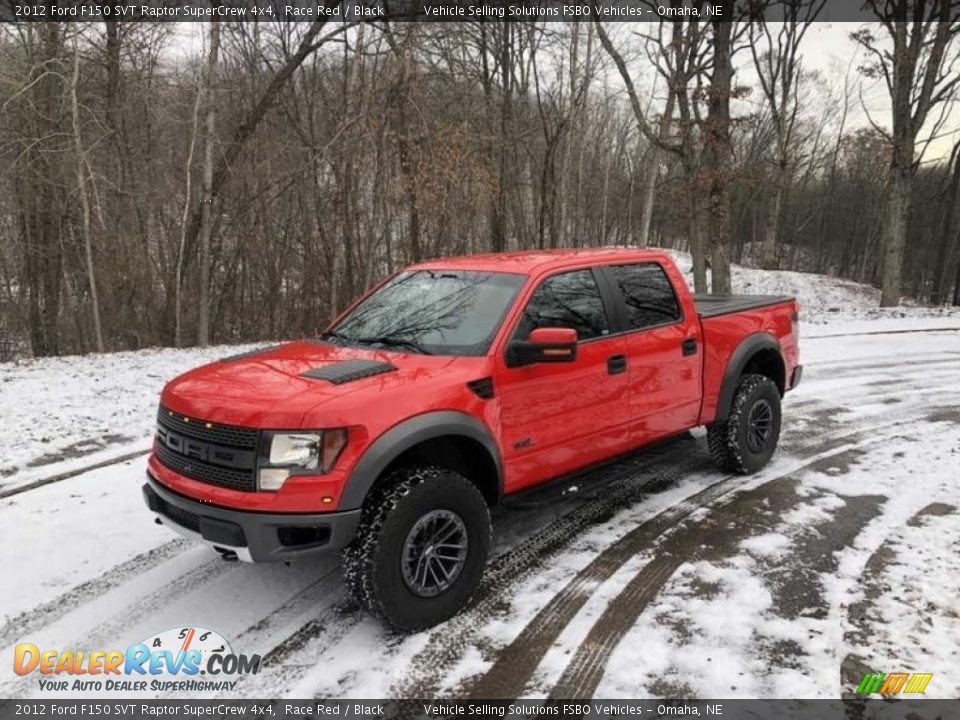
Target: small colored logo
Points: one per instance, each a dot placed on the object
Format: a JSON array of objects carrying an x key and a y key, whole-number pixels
[
  {"x": 900, "y": 683},
  {"x": 188, "y": 658}
]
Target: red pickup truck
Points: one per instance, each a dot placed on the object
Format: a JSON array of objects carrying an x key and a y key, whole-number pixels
[{"x": 448, "y": 386}]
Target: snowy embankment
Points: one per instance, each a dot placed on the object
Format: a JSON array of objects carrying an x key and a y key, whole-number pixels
[{"x": 846, "y": 306}]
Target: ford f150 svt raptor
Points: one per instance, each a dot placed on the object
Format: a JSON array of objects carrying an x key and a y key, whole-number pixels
[{"x": 450, "y": 385}]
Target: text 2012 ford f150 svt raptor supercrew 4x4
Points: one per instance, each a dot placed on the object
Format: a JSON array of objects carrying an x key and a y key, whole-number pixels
[{"x": 449, "y": 386}]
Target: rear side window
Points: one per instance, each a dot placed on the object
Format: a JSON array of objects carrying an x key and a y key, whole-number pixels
[
  {"x": 569, "y": 300},
  {"x": 647, "y": 293}
]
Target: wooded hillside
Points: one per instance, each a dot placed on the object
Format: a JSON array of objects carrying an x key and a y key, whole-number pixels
[{"x": 156, "y": 193}]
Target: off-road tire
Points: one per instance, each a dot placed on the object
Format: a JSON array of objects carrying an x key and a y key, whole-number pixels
[
  {"x": 728, "y": 441},
  {"x": 372, "y": 563}
]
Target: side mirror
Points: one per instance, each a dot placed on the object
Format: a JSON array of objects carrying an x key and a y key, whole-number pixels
[{"x": 545, "y": 345}]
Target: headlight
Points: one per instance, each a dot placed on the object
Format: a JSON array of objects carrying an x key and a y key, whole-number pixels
[
  {"x": 301, "y": 450},
  {"x": 287, "y": 454}
]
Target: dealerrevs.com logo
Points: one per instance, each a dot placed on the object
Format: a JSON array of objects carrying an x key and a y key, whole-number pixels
[{"x": 190, "y": 659}]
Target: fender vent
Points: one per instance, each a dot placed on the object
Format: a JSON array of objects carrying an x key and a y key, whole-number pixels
[
  {"x": 482, "y": 388},
  {"x": 349, "y": 370}
]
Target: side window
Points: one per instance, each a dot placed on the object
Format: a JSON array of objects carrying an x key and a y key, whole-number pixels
[
  {"x": 570, "y": 300},
  {"x": 647, "y": 293}
]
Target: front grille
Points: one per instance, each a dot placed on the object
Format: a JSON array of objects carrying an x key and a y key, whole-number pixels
[{"x": 221, "y": 455}]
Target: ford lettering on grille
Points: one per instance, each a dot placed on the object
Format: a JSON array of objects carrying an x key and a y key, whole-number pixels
[{"x": 204, "y": 451}]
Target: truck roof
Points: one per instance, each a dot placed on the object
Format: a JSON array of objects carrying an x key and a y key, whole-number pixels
[{"x": 529, "y": 262}]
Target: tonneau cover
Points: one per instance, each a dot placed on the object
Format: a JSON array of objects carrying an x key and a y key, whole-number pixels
[{"x": 713, "y": 305}]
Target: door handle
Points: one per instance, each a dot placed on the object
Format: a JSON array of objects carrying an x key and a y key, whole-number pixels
[
  {"x": 689, "y": 346},
  {"x": 616, "y": 364}
]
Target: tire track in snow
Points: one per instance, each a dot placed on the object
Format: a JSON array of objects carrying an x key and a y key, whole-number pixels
[
  {"x": 724, "y": 524},
  {"x": 516, "y": 663},
  {"x": 278, "y": 675},
  {"x": 34, "y": 484},
  {"x": 450, "y": 640},
  {"x": 447, "y": 644},
  {"x": 509, "y": 564},
  {"x": 42, "y": 615},
  {"x": 586, "y": 668},
  {"x": 627, "y": 480},
  {"x": 862, "y": 616}
]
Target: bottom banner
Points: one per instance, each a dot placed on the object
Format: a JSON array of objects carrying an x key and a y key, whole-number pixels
[{"x": 857, "y": 709}]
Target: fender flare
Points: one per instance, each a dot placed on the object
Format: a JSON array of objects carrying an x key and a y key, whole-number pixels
[
  {"x": 403, "y": 436},
  {"x": 748, "y": 347}
]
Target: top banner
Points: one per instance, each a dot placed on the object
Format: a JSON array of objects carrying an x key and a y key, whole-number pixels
[{"x": 351, "y": 11}]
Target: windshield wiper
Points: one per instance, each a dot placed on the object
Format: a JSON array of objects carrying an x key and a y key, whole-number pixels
[
  {"x": 393, "y": 341},
  {"x": 333, "y": 334}
]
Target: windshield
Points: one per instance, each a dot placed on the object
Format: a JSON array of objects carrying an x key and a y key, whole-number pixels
[{"x": 445, "y": 312}]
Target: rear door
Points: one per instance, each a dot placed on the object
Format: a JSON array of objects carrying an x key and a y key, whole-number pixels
[
  {"x": 557, "y": 417},
  {"x": 663, "y": 348}
]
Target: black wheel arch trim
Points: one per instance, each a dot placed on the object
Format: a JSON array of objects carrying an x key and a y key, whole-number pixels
[
  {"x": 403, "y": 436},
  {"x": 746, "y": 350}
]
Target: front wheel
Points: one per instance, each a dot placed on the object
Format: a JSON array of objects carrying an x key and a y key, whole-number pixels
[
  {"x": 745, "y": 441},
  {"x": 420, "y": 549}
]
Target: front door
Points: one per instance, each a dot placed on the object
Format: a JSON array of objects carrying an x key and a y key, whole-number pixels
[{"x": 557, "y": 417}]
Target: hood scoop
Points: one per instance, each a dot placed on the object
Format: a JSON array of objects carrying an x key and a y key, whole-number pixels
[
  {"x": 349, "y": 370},
  {"x": 250, "y": 353}
]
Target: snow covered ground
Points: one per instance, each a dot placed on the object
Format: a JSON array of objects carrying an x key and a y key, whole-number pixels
[
  {"x": 664, "y": 579},
  {"x": 71, "y": 412}
]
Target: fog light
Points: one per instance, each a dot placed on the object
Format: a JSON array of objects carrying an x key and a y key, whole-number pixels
[{"x": 273, "y": 478}]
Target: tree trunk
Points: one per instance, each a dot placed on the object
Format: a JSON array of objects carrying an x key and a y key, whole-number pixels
[
  {"x": 406, "y": 146},
  {"x": 206, "y": 210},
  {"x": 39, "y": 197},
  {"x": 652, "y": 173},
  {"x": 956, "y": 286},
  {"x": 82, "y": 191},
  {"x": 719, "y": 157},
  {"x": 187, "y": 197},
  {"x": 498, "y": 230},
  {"x": 696, "y": 224},
  {"x": 948, "y": 234},
  {"x": 894, "y": 234},
  {"x": 768, "y": 254}
]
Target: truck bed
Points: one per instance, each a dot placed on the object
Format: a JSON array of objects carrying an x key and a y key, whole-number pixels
[{"x": 714, "y": 305}]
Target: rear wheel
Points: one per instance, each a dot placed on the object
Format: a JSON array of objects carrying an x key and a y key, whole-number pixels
[
  {"x": 745, "y": 441},
  {"x": 420, "y": 549}
]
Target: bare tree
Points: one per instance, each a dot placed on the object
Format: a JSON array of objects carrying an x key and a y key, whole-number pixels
[
  {"x": 920, "y": 73},
  {"x": 314, "y": 201},
  {"x": 207, "y": 196},
  {"x": 718, "y": 155},
  {"x": 187, "y": 199},
  {"x": 779, "y": 70},
  {"x": 679, "y": 59},
  {"x": 82, "y": 171},
  {"x": 949, "y": 235}
]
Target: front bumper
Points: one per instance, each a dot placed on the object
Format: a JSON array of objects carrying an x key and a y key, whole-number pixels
[{"x": 251, "y": 536}]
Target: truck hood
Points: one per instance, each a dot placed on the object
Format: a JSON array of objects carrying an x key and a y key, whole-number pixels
[{"x": 266, "y": 388}]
